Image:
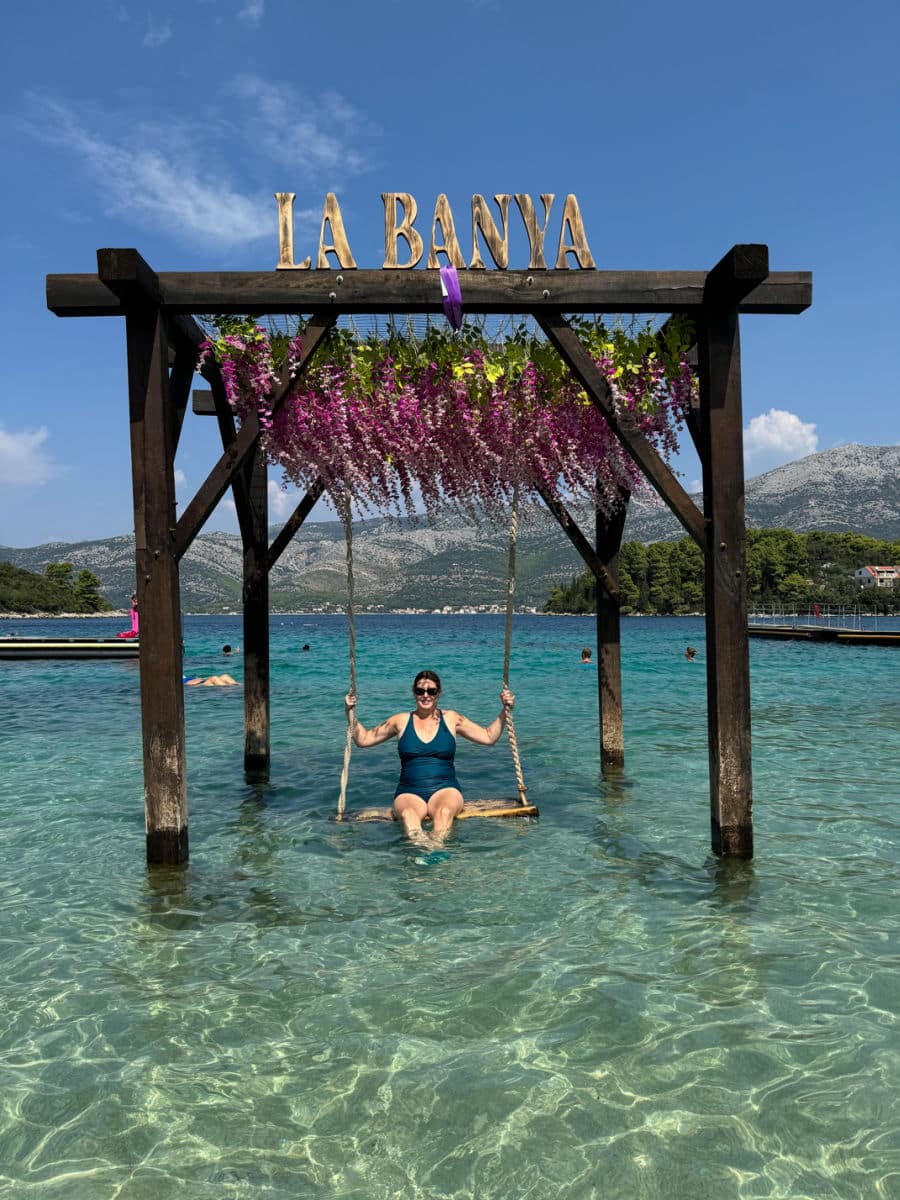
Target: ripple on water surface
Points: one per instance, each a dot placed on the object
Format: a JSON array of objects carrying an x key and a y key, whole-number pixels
[{"x": 584, "y": 1006}]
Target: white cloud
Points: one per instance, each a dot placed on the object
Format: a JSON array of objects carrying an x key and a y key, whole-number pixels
[
  {"x": 154, "y": 184},
  {"x": 157, "y": 35},
  {"x": 323, "y": 133},
  {"x": 282, "y": 501},
  {"x": 252, "y": 11},
  {"x": 23, "y": 460},
  {"x": 146, "y": 171},
  {"x": 777, "y": 437}
]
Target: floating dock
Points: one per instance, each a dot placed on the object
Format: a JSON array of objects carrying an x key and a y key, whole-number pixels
[
  {"x": 74, "y": 647},
  {"x": 827, "y": 633}
]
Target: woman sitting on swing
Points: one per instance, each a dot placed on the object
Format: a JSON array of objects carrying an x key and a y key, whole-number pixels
[{"x": 428, "y": 786}]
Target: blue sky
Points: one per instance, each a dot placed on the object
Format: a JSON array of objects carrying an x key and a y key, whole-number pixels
[{"x": 682, "y": 129}]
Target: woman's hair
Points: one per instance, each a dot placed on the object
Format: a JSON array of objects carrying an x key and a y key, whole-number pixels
[
  {"x": 432, "y": 675},
  {"x": 586, "y": 652}
]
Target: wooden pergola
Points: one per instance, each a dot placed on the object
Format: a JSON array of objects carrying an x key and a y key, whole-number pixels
[{"x": 162, "y": 340}]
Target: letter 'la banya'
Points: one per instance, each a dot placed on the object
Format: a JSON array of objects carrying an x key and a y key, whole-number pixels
[{"x": 400, "y": 211}]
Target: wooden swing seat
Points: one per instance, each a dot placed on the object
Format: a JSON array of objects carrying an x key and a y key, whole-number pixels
[{"x": 471, "y": 808}]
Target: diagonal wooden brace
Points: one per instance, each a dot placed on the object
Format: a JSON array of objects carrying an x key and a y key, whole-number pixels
[
  {"x": 235, "y": 456},
  {"x": 574, "y": 354}
]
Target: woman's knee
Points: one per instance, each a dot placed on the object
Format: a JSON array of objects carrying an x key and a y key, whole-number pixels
[
  {"x": 409, "y": 808},
  {"x": 448, "y": 803}
]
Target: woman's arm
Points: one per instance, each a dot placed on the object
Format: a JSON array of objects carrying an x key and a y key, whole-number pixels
[
  {"x": 486, "y": 735},
  {"x": 369, "y": 737}
]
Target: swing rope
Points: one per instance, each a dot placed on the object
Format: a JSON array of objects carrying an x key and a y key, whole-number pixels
[
  {"x": 351, "y": 638},
  {"x": 507, "y": 648},
  {"x": 507, "y": 645}
]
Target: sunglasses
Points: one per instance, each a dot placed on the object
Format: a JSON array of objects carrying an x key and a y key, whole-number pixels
[{"x": 420, "y": 691}]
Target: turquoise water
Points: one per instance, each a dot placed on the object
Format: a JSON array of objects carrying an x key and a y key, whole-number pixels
[{"x": 585, "y": 1006}]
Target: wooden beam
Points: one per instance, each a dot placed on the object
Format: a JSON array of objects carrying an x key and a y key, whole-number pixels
[
  {"x": 235, "y": 455},
  {"x": 202, "y": 403},
  {"x": 727, "y": 642},
  {"x": 162, "y": 691},
  {"x": 589, "y": 555},
  {"x": 128, "y": 277},
  {"x": 256, "y": 618},
  {"x": 181, "y": 377},
  {"x": 608, "y": 532},
  {"x": 736, "y": 275},
  {"x": 293, "y": 523},
  {"x": 352, "y": 291},
  {"x": 573, "y": 353}
]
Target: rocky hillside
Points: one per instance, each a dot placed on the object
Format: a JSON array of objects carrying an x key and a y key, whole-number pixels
[
  {"x": 850, "y": 489},
  {"x": 455, "y": 563}
]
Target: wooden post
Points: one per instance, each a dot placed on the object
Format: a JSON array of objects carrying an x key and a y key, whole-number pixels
[
  {"x": 727, "y": 642},
  {"x": 609, "y": 529},
  {"x": 159, "y": 603},
  {"x": 256, "y": 620}
]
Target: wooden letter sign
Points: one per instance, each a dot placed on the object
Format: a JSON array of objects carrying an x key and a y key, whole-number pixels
[{"x": 400, "y": 211}]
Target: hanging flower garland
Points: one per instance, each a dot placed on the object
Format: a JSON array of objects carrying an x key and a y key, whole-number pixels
[{"x": 458, "y": 418}]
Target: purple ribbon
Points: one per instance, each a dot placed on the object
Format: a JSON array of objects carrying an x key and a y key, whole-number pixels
[{"x": 451, "y": 297}]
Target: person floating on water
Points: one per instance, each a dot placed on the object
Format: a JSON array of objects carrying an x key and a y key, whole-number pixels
[
  {"x": 210, "y": 681},
  {"x": 587, "y": 657},
  {"x": 226, "y": 649},
  {"x": 690, "y": 654},
  {"x": 426, "y": 743}
]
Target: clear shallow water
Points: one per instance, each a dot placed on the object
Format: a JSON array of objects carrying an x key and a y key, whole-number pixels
[{"x": 586, "y": 1006}]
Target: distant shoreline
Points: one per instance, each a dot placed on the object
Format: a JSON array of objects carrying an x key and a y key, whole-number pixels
[
  {"x": 123, "y": 614},
  {"x": 48, "y": 616}
]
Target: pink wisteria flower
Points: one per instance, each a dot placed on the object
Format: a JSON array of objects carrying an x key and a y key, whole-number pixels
[{"x": 459, "y": 420}]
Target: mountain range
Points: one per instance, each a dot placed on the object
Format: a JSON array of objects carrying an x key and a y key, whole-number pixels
[{"x": 456, "y": 563}]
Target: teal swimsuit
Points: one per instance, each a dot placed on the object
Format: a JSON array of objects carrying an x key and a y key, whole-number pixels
[{"x": 426, "y": 767}]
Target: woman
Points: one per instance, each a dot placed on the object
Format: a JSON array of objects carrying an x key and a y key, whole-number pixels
[{"x": 428, "y": 786}]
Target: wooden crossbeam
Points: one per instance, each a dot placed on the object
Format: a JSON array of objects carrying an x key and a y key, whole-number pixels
[{"x": 417, "y": 291}]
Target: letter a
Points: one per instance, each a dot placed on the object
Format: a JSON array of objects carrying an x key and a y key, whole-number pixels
[
  {"x": 444, "y": 217},
  {"x": 579, "y": 247},
  {"x": 498, "y": 246},
  {"x": 331, "y": 214}
]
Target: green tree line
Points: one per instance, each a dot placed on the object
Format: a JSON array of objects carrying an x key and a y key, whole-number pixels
[
  {"x": 58, "y": 590},
  {"x": 784, "y": 569}
]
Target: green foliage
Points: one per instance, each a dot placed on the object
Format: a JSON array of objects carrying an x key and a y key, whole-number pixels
[
  {"x": 59, "y": 573},
  {"x": 784, "y": 569},
  {"x": 87, "y": 593},
  {"x": 250, "y": 329},
  {"x": 53, "y": 592},
  {"x": 629, "y": 344}
]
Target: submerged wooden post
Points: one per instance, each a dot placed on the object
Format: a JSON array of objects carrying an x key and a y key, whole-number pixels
[
  {"x": 727, "y": 641},
  {"x": 609, "y": 529},
  {"x": 154, "y": 434},
  {"x": 256, "y": 620}
]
